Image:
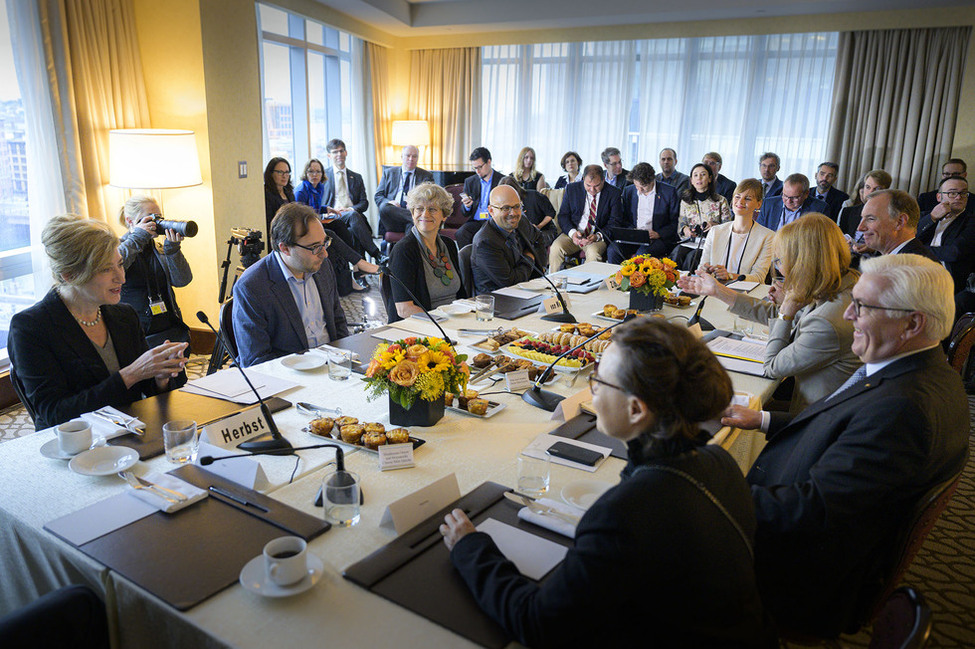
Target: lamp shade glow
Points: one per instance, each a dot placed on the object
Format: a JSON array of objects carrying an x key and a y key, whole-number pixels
[
  {"x": 153, "y": 158},
  {"x": 411, "y": 131}
]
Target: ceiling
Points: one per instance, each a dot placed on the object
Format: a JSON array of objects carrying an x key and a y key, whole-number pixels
[{"x": 411, "y": 18}]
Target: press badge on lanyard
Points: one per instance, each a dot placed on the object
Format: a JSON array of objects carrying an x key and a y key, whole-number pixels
[{"x": 157, "y": 306}]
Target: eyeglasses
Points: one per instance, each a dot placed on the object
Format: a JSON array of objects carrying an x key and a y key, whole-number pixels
[
  {"x": 595, "y": 381},
  {"x": 792, "y": 199},
  {"x": 286, "y": 172},
  {"x": 857, "y": 305},
  {"x": 318, "y": 248},
  {"x": 953, "y": 194},
  {"x": 478, "y": 167},
  {"x": 508, "y": 209}
]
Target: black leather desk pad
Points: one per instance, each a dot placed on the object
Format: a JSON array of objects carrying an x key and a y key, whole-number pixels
[
  {"x": 186, "y": 557},
  {"x": 157, "y": 410},
  {"x": 583, "y": 428},
  {"x": 363, "y": 344},
  {"x": 415, "y": 572}
]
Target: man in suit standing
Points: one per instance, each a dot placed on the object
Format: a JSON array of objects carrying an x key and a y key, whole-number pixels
[
  {"x": 949, "y": 231},
  {"x": 477, "y": 190},
  {"x": 722, "y": 184},
  {"x": 849, "y": 217},
  {"x": 889, "y": 224},
  {"x": 615, "y": 175},
  {"x": 668, "y": 171},
  {"x": 345, "y": 199},
  {"x": 287, "y": 302},
  {"x": 793, "y": 202},
  {"x": 826, "y": 174},
  {"x": 953, "y": 168},
  {"x": 647, "y": 205},
  {"x": 585, "y": 207},
  {"x": 834, "y": 486},
  {"x": 769, "y": 165},
  {"x": 507, "y": 248},
  {"x": 393, "y": 188}
]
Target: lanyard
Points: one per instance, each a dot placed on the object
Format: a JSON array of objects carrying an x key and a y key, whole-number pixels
[{"x": 727, "y": 256}]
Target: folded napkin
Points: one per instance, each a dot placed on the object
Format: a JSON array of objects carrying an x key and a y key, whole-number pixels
[
  {"x": 549, "y": 522},
  {"x": 193, "y": 494},
  {"x": 105, "y": 429}
]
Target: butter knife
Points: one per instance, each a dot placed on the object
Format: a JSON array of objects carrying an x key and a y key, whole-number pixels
[
  {"x": 118, "y": 422},
  {"x": 538, "y": 508},
  {"x": 158, "y": 487}
]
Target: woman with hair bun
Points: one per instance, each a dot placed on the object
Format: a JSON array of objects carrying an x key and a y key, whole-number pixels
[{"x": 664, "y": 556}]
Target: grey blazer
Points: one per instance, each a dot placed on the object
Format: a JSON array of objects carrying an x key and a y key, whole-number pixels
[
  {"x": 814, "y": 347},
  {"x": 392, "y": 180}
]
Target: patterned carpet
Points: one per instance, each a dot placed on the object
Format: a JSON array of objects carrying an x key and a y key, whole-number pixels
[{"x": 944, "y": 570}]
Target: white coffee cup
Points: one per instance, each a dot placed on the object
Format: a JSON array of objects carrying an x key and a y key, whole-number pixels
[
  {"x": 285, "y": 560},
  {"x": 74, "y": 436}
]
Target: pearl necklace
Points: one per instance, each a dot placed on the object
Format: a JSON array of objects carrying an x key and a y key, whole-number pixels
[{"x": 90, "y": 323}]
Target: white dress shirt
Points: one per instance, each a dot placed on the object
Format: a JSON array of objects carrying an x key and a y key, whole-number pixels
[{"x": 644, "y": 209}]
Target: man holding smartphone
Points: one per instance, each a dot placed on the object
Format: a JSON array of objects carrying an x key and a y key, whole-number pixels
[{"x": 477, "y": 190}]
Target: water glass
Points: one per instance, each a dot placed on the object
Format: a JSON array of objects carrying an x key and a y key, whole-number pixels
[
  {"x": 533, "y": 475},
  {"x": 339, "y": 364},
  {"x": 561, "y": 282},
  {"x": 340, "y": 498},
  {"x": 744, "y": 327},
  {"x": 484, "y": 308},
  {"x": 180, "y": 440}
]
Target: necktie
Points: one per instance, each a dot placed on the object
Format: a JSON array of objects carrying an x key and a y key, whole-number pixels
[
  {"x": 406, "y": 189},
  {"x": 592, "y": 217},
  {"x": 764, "y": 188},
  {"x": 855, "y": 378},
  {"x": 341, "y": 191}
]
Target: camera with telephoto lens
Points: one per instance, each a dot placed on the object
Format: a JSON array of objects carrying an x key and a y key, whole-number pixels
[
  {"x": 185, "y": 228},
  {"x": 248, "y": 243}
]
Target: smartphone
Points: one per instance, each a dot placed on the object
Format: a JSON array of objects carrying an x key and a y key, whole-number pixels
[{"x": 574, "y": 453}]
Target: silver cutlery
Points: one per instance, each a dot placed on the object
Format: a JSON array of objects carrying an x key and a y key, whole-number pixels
[
  {"x": 152, "y": 485},
  {"x": 134, "y": 482},
  {"x": 118, "y": 422},
  {"x": 538, "y": 508},
  {"x": 312, "y": 409}
]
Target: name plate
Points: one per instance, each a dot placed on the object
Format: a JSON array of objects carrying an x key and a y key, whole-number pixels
[
  {"x": 416, "y": 507},
  {"x": 517, "y": 381},
  {"x": 552, "y": 305},
  {"x": 395, "y": 456},
  {"x": 231, "y": 431},
  {"x": 611, "y": 283}
]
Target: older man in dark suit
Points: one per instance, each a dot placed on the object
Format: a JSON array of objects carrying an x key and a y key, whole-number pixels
[
  {"x": 344, "y": 198},
  {"x": 849, "y": 218},
  {"x": 507, "y": 247},
  {"x": 834, "y": 486},
  {"x": 949, "y": 231},
  {"x": 768, "y": 166},
  {"x": 790, "y": 205},
  {"x": 587, "y": 208},
  {"x": 647, "y": 205},
  {"x": 287, "y": 302},
  {"x": 889, "y": 224},
  {"x": 825, "y": 191},
  {"x": 396, "y": 183}
]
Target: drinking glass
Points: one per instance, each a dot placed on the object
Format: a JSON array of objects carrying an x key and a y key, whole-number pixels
[
  {"x": 484, "y": 308},
  {"x": 339, "y": 364},
  {"x": 533, "y": 475},
  {"x": 180, "y": 440},
  {"x": 340, "y": 498}
]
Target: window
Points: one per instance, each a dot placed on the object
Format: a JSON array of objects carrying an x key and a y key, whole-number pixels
[
  {"x": 737, "y": 95},
  {"x": 307, "y": 89}
]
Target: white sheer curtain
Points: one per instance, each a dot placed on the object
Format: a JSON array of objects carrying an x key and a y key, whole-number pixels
[
  {"x": 363, "y": 132},
  {"x": 738, "y": 95}
]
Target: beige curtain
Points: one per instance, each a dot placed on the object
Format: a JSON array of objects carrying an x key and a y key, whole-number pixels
[
  {"x": 96, "y": 80},
  {"x": 377, "y": 58},
  {"x": 895, "y": 102},
  {"x": 445, "y": 90}
]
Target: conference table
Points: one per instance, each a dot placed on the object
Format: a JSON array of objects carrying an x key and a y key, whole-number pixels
[{"x": 336, "y": 612}]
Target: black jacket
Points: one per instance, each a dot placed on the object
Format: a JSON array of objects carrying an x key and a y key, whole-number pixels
[{"x": 406, "y": 263}]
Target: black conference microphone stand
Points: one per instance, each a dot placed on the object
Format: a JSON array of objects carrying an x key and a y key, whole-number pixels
[
  {"x": 697, "y": 319},
  {"x": 277, "y": 441},
  {"x": 565, "y": 317},
  {"x": 547, "y": 400},
  {"x": 386, "y": 269}
]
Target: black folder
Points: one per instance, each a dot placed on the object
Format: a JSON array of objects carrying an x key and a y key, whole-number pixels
[{"x": 630, "y": 235}]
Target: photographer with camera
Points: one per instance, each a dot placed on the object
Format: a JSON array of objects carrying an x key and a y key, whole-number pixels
[{"x": 152, "y": 270}]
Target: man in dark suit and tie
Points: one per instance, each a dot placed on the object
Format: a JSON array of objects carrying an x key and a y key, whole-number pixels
[
  {"x": 953, "y": 168},
  {"x": 615, "y": 174},
  {"x": 949, "y": 231},
  {"x": 507, "y": 248},
  {"x": 722, "y": 184},
  {"x": 769, "y": 165},
  {"x": 669, "y": 174},
  {"x": 393, "y": 188},
  {"x": 835, "y": 485},
  {"x": 587, "y": 208},
  {"x": 647, "y": 205},
  {"x": 889, "y": 224},
  {"x": 825, "y": 191},
  {"x": 344, "y": 198},
  {"x": 793, "y": 202},
  {"x": 477, "y": 189}
]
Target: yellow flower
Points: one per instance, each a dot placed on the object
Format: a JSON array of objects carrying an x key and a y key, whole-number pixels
[
  {"x": 646, "y": 267},
  {"x": 433, "y": 362},
  {"x": 430, "y": 385},
  {"x": 389, "y": 360},
  {"x": 656, "y": 278},
  {"x": 627, "y": 269},
  {"x": 669, "y": 262},
  {"x": 404, "y": 374}
]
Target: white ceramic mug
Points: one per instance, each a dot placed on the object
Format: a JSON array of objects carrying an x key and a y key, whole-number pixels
[
  {"x": 74, "y": 436},
  {"x": 285, "y": 560}
]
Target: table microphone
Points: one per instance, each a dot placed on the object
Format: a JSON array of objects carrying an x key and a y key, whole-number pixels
[
  {"x": 697, "y": 319},
  {"x": 384, "y": 267},
  {"x": 547, "y": 400},
  {"x": 565, "y": 316},
  {"x": 277, "y": 441}
]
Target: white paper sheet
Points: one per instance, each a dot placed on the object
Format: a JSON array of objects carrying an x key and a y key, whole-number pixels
[
  {"x": 229, "y": 385},
  {"x": 532, "y": 555},
  {"x": 511, "y": 291},
  {"x": 741, "y": 349},
  {"x": 99, "y": 519}
]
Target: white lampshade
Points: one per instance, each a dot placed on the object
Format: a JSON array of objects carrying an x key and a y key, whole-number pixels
[
  {"x": 153, "y": 158},
  {"x": 411, "y": 131}
]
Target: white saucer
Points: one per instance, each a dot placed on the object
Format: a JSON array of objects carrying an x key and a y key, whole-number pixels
[
  {"x": 254, "y": 578},
  {"x": 104, "y": 460},
  {"x": 583, "y": 493},
  {"x": 453, "y": 309},
  {"x": 303, "y": 362},
  {"x": 52, "y": 450}
]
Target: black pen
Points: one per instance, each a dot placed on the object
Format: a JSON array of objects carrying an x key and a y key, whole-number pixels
[{"x": 237, "y": 499}]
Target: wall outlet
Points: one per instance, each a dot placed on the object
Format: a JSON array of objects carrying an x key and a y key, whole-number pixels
[{"x": 242, "y": 169}]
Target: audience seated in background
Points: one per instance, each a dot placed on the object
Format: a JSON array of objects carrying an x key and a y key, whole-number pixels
[
  {"x": 809, "y": 339},
  {"x": 525, "y": 173},
  {"x": 345, "y": 199},
  {"x": 768, "y": 166},
  {"x": 477, "y": 189},
  {"x": 700, "y": 206},
  {"x": 615, "y": 175},
  {"x": 949, "y": 231},
  {"x": 676, "y": 531},
  {"x": 79, "y": 349},
  {"x": 537, "y": 209},
  {"x": 849, "y": 218},
  {"x": 888, "y": 222},
  {"x": 647, "y": 205},
  {"x": 793, "y": 202},
  {"x": 423, "y": 260},
  {"x": 287, "y": 302},
  {"x": 722, "y": 184},
  {"x": 668, "y": 171},
  {"x": 825, "y": 190},
  {"x": 585, "y": 207},
  {"x": 508, "y": 248},
  {"x": 740, "y": 249},
  {"x": 953, "y": 168},
  {"x": 835, "y": 485},
  {"x": 394, "y": 187},
  {"x": 572, "y": 166}
]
